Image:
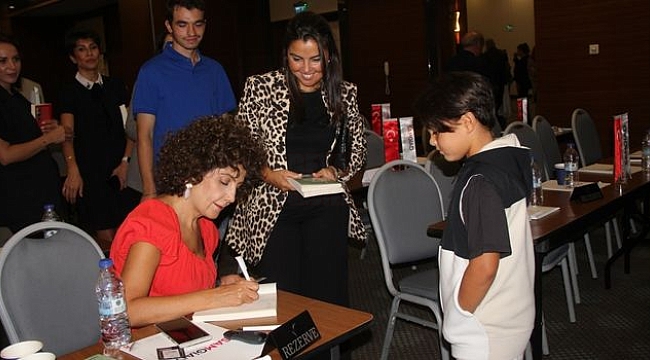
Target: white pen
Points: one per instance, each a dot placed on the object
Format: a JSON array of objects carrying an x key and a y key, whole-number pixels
[{"x": 242, "y": 266}]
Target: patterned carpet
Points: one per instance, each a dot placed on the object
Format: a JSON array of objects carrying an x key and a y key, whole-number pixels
[{"x": 611, "y": 324}]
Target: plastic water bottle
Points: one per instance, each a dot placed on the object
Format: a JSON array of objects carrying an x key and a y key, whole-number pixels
[
  {"x": 49, "y": 215},
  {"x": 536, "y": 197},
  {"x": 113, "y": 319},
  {"x": 571, "y": 165},
  {"x": 645, "y": 153}
]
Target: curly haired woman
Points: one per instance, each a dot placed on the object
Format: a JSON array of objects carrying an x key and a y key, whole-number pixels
[{"x": 163, "y": 250}]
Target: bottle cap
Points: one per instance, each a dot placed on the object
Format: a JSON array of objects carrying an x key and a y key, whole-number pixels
[
  {"x": 559, "y": 166},
  {"x": 105, "y": 263}
]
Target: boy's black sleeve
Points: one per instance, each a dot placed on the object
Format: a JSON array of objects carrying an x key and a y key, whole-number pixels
[{"x": 484, "y": 218}]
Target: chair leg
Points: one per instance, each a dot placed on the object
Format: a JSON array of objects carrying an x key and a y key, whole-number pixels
[
  {"x": 566, "y": 279},
  {"x": 608, "y": 239},
  {"x": 573, "y": 260},
  {"x": 545, "y": 349},
  {"x": 572, "y": 271},
  {"x": 444, "y": 348},
  {"x": 390, "y": 328},
  {"x": 617, "y": 232},
  {"x": 528, "y": 354},
  {"x": 590, "y": 256}
]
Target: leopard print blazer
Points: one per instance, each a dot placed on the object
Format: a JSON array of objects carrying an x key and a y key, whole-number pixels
[{"x": 265, "y": 109}]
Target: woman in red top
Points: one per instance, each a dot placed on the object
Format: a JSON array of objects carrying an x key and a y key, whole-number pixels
[{"x": 164, "y": 248}]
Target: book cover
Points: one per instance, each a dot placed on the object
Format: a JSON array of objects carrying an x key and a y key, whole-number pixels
[
  {"x": 308, "y": 187},
  {"x": 265, "y": 306}
]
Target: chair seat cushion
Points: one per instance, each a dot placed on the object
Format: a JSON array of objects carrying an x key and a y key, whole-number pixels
[{"x": 424, "y": 283}]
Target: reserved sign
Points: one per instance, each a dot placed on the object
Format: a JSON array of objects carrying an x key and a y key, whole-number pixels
[{"x": 293, "y": 336}]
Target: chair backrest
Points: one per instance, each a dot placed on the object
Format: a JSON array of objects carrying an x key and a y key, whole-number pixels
[
  {"x": 549, "y": 143},
  {"x": 444, "y": 172},
  {"x": 376, "y": 155},
  {"x": 586, "y": 137},
  {"x": 47, "y": 287},
  {"x": 403, "y": 200},
  {"x": 528, "y": 138}
]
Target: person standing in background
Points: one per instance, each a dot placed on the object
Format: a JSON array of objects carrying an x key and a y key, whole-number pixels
[
  {"x": 29, "y": 177},
  {"x": 94, "y": 106},
  {"x": 299, "y": 112},
  {"x": 133, "y": 179},
  {"x": 176, "y": 86},
  {"x": 468, "y": 57},
  {"x": 521, "y": 75},
  {"x": 498, "y": 69}
]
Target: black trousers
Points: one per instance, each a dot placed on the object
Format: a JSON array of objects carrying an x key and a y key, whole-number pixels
[{"x": 307, "y": 252}]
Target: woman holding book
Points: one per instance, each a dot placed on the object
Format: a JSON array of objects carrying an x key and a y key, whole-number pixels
[
  {"x": 164, "y": 249},
  {"x": 309, "y": 122},
  {"x": 29, "y": 177}
]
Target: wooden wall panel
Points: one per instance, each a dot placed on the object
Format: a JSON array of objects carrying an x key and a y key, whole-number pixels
[
  {"x": 393, "y": 31},
  {"x": 615, "y": 81}
]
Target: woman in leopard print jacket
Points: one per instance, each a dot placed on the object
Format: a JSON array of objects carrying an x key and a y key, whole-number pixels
[{"x": 297, "y": 112}]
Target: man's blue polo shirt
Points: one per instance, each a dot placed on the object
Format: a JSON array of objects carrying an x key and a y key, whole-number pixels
[{"x": 176, "y": 92}]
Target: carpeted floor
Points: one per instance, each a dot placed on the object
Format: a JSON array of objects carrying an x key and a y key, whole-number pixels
[{"x": 611, "y": 324}]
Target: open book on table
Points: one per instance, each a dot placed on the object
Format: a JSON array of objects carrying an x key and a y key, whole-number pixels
[
  {"x": 308, "y": 187},
  {"x": 265, "y": 306}
]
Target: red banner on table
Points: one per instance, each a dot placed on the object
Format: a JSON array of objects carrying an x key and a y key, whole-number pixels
[
  {"x": 522, "y": 110},
  {"x": 622, "y": 170},
  {"x": 378, "y": 113},
  {"x": 391, "y": 139}
]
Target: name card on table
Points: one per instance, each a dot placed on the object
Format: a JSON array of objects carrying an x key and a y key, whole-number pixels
[
  {"x": 292, "y": 337},
  {"x": 587, "y": 193}
]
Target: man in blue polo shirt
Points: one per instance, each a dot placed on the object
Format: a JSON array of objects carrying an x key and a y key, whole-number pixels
[{"x": 177, "y": 86}]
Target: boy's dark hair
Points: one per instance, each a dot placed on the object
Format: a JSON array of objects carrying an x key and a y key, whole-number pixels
[
  {"x": 188, "y": 4},
  {"x": 74, "y": 35},
  {"x": 452, "y": 95}
]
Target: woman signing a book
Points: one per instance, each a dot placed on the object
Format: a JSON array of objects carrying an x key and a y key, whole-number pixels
[
  {"x": 164, "y": 249},
  {"x": 308, "y": 120}
]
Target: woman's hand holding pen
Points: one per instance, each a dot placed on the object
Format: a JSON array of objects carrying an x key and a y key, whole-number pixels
[{"x": 241, "y": 292}]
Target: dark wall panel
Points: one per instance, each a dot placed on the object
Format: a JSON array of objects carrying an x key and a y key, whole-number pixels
[
  {"x": 393, "y": 31},
  {"x": 615, "y": 81}
]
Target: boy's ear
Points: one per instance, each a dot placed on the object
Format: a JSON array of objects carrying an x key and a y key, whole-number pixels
[{"x": 470, "y": 121}]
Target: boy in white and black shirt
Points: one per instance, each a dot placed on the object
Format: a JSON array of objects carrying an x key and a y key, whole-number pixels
[{"x": 486, "y": 256}]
